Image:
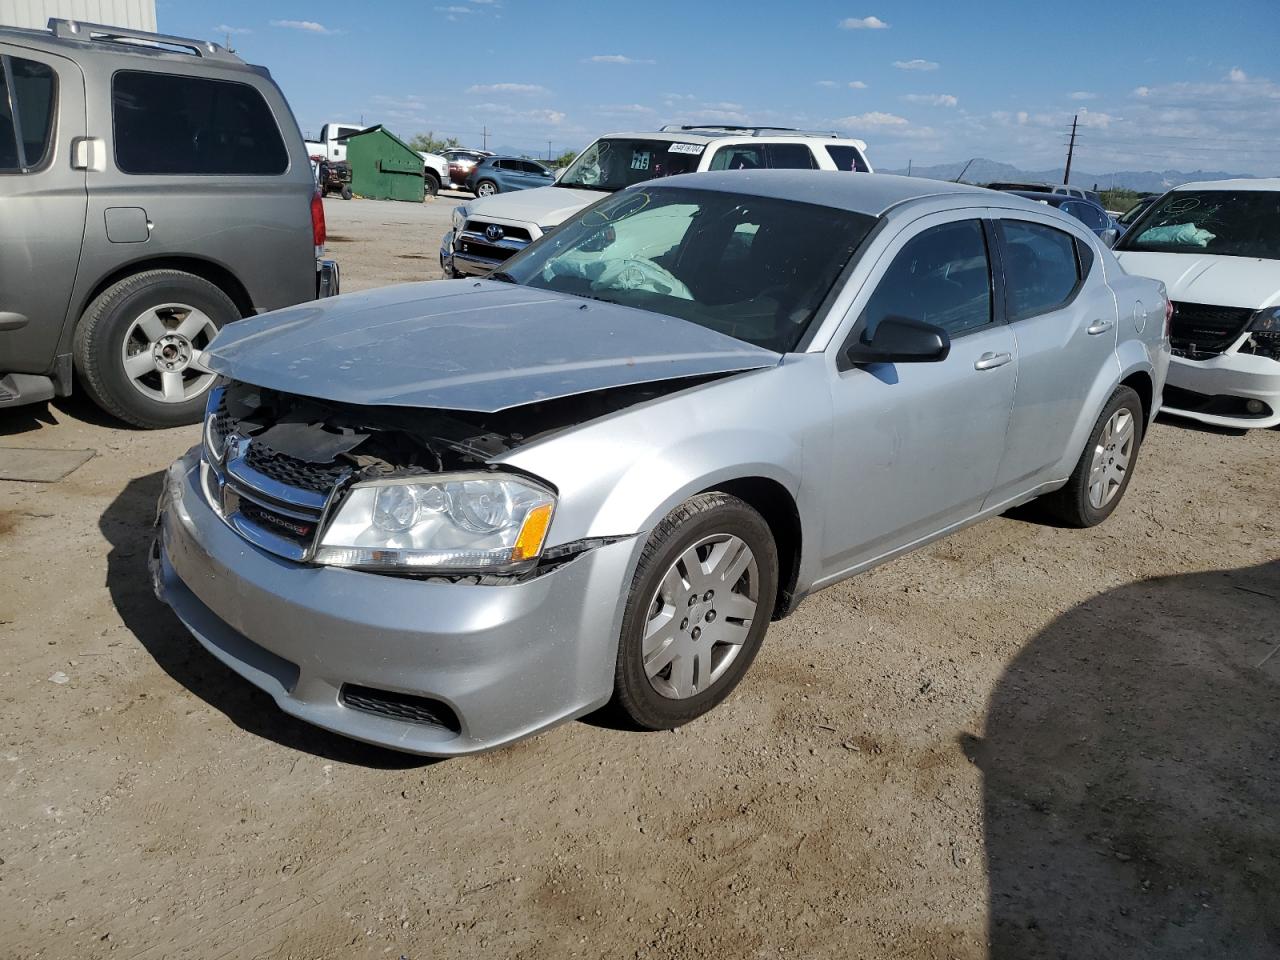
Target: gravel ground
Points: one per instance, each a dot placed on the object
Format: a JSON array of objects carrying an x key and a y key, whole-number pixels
[{"x": 1020, "y": 742}]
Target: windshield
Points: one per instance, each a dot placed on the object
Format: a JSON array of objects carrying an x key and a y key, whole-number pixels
[
  {"x": 751, "y": 267},
  {"x": 1230, "y": 223},
  {"x": 613, "y": 163},
  {"x": 1134, "y": 212}
]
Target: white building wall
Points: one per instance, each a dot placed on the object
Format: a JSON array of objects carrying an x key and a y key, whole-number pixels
[{"x": 135, "y": 14}]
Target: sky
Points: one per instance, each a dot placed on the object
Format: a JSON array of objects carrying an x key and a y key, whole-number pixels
[{"x": 1170, "y": 85}]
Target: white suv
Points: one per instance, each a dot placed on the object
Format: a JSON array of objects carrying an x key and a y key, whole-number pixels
[{"x": 489, "y": 230}]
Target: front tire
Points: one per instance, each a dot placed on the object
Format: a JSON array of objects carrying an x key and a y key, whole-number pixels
[
  {"x": 431, "y": 185},
  {"x": 138, "y": 347},
  {"x": 700, "y": 603},
  {"x": 1105, "y": 467},
  {"x": 486, "y": 188}
]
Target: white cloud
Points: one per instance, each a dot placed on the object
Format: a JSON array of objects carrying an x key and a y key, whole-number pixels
[
  {"x": 723, "y": 105},
  {"x": 1142, "y": 91},
  {"x": 626, "y": 108},
  {"x": 863, "y": 23},
  {"x": 873, "y": 119},
  {"x": 932, "y": 99},
  {"x": 615, "y": 58},
  {"x": 455, "y": 10},
  {"x": 306, "y": 26},
  {"x": 1083, "y": 95},
  {"x": 916, "y": 64},
  {"x": 1238, "y": 76},
  {"x": 234, "y": 31},
  {"x": 1023, "y": 117},
  {"x": 507, "y": 88},
  {"x": 827, "y": 83},
  {"x": 671, "y": 97},
  {"x": 857, "y": 85}
]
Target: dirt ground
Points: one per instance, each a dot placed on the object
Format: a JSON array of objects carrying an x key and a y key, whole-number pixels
[{"x": 1020, "y": 742}]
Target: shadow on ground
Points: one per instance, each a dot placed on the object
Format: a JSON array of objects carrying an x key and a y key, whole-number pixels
[
  {"x": 1132, "y": 776},
  {"x": 127, "y": 526}
]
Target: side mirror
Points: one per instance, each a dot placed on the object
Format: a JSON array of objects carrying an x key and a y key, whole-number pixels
[
  {"x": 1109, "y": 236},
  {"x": 900, "y": 340}
]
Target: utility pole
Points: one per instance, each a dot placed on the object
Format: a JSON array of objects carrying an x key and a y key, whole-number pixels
[
  {"x": 1071, "y": 149},
  {"x": 485, "y": 134},
  {"x": 548, "y": 151},
  {"x": 908, "y": 166}
]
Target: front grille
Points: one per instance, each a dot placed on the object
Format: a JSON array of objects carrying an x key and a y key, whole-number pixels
[
  {"x": 1200, "y": 329},
  {"x": 485, "y": 250},
  {"x": 220, "y": 424},
  {"x": 399, "y": 706},
  {"x": 510, "y": 233},
  {"x": 292, "y": 472}
]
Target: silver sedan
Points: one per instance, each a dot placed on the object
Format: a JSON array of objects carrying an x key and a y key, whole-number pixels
[{"x": 445, "y": 516}]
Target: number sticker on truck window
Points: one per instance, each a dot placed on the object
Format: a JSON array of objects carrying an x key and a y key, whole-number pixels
[
  {"x": 694, "y": 148},
  {"x": 640, "y": 160}
]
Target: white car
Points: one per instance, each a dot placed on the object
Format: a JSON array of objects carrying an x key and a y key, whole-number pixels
[
  {"x": 1216, "y": 246},
  {"x": 489, "y": 230}
]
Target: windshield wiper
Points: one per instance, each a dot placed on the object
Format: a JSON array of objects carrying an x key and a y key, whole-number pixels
[
  {"x": 502, "y": 277},
  {"x": 585, "y": 186}
]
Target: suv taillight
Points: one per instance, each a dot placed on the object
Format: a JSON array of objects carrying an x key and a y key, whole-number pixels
[{"x": 317, "y": 220}]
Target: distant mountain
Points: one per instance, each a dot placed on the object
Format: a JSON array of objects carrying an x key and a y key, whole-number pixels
[{"x": 986, "y": 171}]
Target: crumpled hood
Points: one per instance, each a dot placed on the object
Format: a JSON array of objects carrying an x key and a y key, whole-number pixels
[
  {"x": 544, "y": 206},
  {"x": 466, "y": 345},
  {"x": 1204, "y": 278}
]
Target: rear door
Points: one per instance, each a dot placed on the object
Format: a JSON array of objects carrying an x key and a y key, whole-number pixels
[
  {"x": 1063, "y": 316},
  {"x": 42, "y": 203}
]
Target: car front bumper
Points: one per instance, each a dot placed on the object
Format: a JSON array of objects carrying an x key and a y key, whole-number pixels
[
  {"x": 1218, "y": 387},
  {"x": 505, "y": 660},
  {"x": 454, "y": 263}
]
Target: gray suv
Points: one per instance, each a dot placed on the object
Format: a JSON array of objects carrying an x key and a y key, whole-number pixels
[{"x": 152, "y": 189}]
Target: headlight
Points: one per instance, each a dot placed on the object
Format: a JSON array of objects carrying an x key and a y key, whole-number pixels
[
  {"x": 452, "y": 523},
  {"x": 1264, "y": 334},
  {"x": 459, "y": 216},
  {"x": 215, "y": 438}
]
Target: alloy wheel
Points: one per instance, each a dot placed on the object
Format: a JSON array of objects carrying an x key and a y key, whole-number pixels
[
  {"x": 700, "y": 615},
  {"x": 163, "y": 350},
  {"x": 1111, "y": 458}
]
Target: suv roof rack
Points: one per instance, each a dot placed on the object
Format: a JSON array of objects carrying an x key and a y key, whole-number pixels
[
  {"x": 735, "y": 128},
  {"x": 88, "y": 32}
]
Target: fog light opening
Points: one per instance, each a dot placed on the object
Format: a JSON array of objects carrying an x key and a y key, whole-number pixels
[{"x": 1255, "y": 406}]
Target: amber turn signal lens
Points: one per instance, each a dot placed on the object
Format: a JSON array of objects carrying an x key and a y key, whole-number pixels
[{"x": 529, "y": 543}]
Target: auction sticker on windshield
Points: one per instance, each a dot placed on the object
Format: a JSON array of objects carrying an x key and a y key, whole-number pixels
[
  {"x": 694, "y": 148},
  {"x": 640, "y": 160}
]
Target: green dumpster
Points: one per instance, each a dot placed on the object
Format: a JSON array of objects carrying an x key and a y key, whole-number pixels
[{"x": 383, "y": 167}]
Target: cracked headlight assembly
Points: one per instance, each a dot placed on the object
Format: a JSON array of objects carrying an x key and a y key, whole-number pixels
[
  {"x": 1264, "y": 334},
  {"x": 459, "y": 216},
  {"x": 447, "y": 523}
]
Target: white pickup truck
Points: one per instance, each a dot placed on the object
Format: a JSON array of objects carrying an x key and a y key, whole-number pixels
[{"x": 332, "y": 146}]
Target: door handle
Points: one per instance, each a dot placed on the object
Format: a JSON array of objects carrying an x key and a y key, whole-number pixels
[
  {"x": 1099, "y": 326},
  {"x": 11, "y": 321},
  {"x": 989, "y": 361}
]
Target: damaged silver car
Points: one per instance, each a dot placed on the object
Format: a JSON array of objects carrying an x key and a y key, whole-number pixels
[{"x": 443, "y": 516}]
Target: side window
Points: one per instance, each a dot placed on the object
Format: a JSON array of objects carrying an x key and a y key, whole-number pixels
[
  {"x": 791, "y": 156},
  {"x": 745, "y": 156},
  {"x": 28, "y": 95},
  {"x": 171, "y": 124},
  {"x": 846, "y": 158},
  {"x": 1091, "y": 216},
  {"x": 1040, "y": 269},
  {"x": 942, "y": 276}
]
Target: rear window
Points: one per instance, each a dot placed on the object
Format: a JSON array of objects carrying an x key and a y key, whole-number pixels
[
  {"x": 167, "y": 124},
  {"x": 847, "y": 158},
  {"x": 1230, "y": 223},
  {"x": 27, "y": 95}
]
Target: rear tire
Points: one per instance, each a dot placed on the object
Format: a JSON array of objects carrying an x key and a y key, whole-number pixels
[
  {"x": 431, "y": 185},
  {"x": 690, "y": 630},
  {"x": 1102, "y": 474},
  {"x": 134, "y": 344},
  {"x": 486, "y": 188}
]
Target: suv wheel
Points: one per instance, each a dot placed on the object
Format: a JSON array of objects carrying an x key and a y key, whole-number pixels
[
  {"x": 700, "y": 604},
  {"x": 138, "y": 346},
  {"x": 486, "y": 188},
  {"x": 431, "y": 185}
]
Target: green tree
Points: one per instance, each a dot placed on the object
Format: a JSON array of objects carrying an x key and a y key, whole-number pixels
[
  {"x": 1118, "y": 198},
  {"x": 564, "y": 159},
  {"x": 429, "y": 143}
]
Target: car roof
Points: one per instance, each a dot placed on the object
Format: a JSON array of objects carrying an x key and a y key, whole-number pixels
[
  {"x": 710, "y": 134},
  {"x": 85, "y": 40},
  {"x": 868, "y": 193},
  {"x": 1243, "y": 183}
]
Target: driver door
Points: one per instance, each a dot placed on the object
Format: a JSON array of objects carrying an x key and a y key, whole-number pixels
[{"x": 915, "y": 446}]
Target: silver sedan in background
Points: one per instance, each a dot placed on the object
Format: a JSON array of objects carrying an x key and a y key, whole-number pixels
[{"x": 444, "y": 516}]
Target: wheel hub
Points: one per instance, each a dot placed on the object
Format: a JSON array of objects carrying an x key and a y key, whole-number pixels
[{"x": 171, "y": 352}]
